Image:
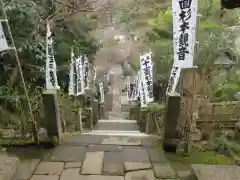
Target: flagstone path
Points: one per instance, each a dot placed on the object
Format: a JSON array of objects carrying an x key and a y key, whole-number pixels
[
  {"x": 94, "y": 157},
  {"x": 114, "y": 150}
]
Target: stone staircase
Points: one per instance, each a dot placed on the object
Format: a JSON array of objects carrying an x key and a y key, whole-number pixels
[{"x": 117, "y": 128}]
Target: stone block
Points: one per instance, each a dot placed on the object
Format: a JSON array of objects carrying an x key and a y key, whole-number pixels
[
  {"x": 49, "y": 168},
  {"x": 73, "y": 165},
  {"x": 215, "y": 172},
  {"x": 136, "y": 166},
  {"x": 99, "y": 177},
  {"x": 68, "y": 154},
  {"x": 135, "y": 155},
  {"x": 45, "y": 177},
  {"x": 8, "y": 167},
  {"x": 52, "y": 119},
  {"x": 27, "y": 168},
  {"x": 163, "y": 171},
  {"x": 89, "y": 167},
  {"x": 143, "y": 174},
  {"x": 113, "y": 163},
  {"x": 127, "y": 141},
  {"x": 172, "y": 113},
  {"x": 71, "y": 174}
]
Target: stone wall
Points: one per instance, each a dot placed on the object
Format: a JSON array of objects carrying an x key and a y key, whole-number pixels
[{"x": 224, "y": 113}]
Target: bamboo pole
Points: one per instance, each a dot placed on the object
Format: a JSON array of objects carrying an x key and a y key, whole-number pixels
[
  {"x": 188, "y": 131},
  {"x": 34, "y": 126}
]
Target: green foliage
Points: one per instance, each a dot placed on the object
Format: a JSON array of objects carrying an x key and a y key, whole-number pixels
[
  {"x": 155, "y": 108},
  {"x": 213, "y": 34},
  {"x": 226, "y": 91},
  {"x": 27, "y": 20}
]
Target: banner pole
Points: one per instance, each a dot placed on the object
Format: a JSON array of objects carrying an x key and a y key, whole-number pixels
[{"x": 34, "y": 126}]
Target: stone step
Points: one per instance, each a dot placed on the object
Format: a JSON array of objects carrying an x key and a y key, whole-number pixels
[
  {"x": 8, "y": 167},
  {"x": 117, "y": 125},
  {"x": 117, "y": 133},
  {"x": 117, "y": 120}
]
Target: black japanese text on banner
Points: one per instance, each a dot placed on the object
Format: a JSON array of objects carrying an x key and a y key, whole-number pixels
[
  {"x": 101, "y": 92},
  {"x": 71, "y": 85},
  {"x": 80, "y": 77},
  {"x": 85, "y": 72},
  {"x": 147, "y": 76},
  {"x": 135, "y": 92},
  {"x": 142, "y": 93},
  {"x": 184, "y": 30},
  {"x": 173, "y": 80},
  {"x": 51, "y": 68}
]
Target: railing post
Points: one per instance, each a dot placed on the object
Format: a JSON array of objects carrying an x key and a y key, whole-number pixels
[
  {"x": 95, "y": 111},
  {"x": 172, "y": 112},
  {"x": 52, "y": 114},
  {"x": 79, "y": 120},
  {"x": 90, "y": 121}
]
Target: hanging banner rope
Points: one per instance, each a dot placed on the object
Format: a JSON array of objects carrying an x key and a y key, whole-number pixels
[
  {"x": 146, "y": 68},
  {"x": 80, "y": 76},
  {"x": 71, "y": 89},
  {"x": 51, "y": 68}
]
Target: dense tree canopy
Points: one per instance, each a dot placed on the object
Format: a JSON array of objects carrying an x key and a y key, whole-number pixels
[{"x": 27, "y": 21}]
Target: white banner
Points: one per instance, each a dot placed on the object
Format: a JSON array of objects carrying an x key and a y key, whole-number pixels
[
  {"x": 51, "y": 68},
  {"x": 135, "y": 93},
  {"x": 173, "y": 80},
  {"x": 184, "y": 29},
  {"x": 128, "y": 91},
  {"x": 71, "y": 85},
  {"x": 146, "y": 68},
  {"x": 85, "y": 72},
  {"x": 94, "y": 73},
  {"x": 142, "y": 93},
  {"x": 101, "y": 92},
  {"x": 3, "y": 42},
  {"x": 80, "y": 77}
]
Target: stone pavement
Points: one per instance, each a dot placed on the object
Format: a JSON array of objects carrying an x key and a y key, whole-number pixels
[{"x": 94, "y": 157}]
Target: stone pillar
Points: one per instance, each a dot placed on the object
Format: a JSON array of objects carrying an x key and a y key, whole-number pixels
[
  {"x": 95, "y": 111},
  {"x": 52, "y": 119},
  {"x": 79, "y": 121},
  {"x": 172, "y": 112},
  {"x": 101, "y": 111},
  {"x": 89, "y": 122},
  {"x": 150, "y": 123},
  {"x": 142, "y": 122},
  {"x": 138, "y": 107},
  {"x": 108, "y": 101}
]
